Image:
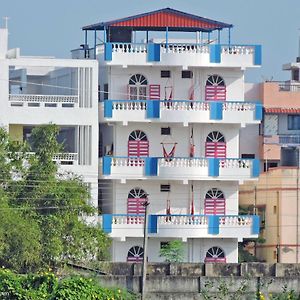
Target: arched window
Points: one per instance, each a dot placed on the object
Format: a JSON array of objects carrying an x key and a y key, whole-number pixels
[
  {"x": 138, "y": 144},
  {"x": 215, "y": 88},
  {"x": 214, "y": 203},
  {"x": 215, "y": 145},
  {"x": 137, "y": 87},
  {"x": 215, "y": 254},
  {"x": 135, "y": 254},
  {"x": 135, "y": 205}
]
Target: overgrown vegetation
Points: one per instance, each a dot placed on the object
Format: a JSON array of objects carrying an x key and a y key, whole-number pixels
[
  {"x": 48, "y": 286},
  {"x": 42, "y": 210}
]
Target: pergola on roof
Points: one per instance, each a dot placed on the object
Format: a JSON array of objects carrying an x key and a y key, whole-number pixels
[{"x": 161, "y": 19}]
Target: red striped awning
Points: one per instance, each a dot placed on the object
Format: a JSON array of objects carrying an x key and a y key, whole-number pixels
[{"x": 279, "y": 110}]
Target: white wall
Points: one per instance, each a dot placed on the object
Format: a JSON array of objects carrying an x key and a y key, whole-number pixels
[
  {"x": 180, "y": 196},
  {"x": 234, "y": 80},
  {"x": 179, "y": 134},
  {"x": 249, "y": 140},
  {"x": 194, "y": 249}
]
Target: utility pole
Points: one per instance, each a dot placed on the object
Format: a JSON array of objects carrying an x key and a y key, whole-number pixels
[{"x": 145, "y": 246}]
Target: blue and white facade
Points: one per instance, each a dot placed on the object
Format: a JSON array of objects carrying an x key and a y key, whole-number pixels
[{"x": 170, "y": 113}]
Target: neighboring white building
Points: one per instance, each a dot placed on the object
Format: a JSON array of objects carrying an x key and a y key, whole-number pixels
[
  {"x": 170, "y": 113},
  {"x": 43, "y": 90}
]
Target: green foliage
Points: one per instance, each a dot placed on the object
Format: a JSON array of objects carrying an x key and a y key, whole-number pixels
[
  {"x": 48, "y": 287},
  {"x": 42, "y": 210},
  {"x": 172, "y": 251}
]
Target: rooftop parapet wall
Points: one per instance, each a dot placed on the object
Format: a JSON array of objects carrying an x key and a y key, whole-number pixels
[{"x": 277, "y": 95}]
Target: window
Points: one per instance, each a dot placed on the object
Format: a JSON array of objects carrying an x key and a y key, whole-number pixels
[
  {"x": 165, "y": 188},
  {"x": 165, "y": 74},
  {"x": 295, "y": 74},
  {"x": 249, "y": 156},
  {"x": 105, "y": 91},
  {"x": 274, "y": 209},
  {"x": 165, "y": 131},
  {"x": 163, "y": 244},
  {"x": 186, "y": 74},
  {"x": 99, "y": 93},
  {"x": 293, "y": 122}
]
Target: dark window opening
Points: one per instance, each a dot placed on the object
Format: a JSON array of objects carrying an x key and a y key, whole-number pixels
[
  {"x": 293, "y": 122},
  {"x": 105, "y": 91},
  {"x": 164, "y": 244},
  {"x": 249, "y": 156},
  {"x": 165, "y": 188},
  {"x": 186, "y": 74},
  {"x": 165, "y": 74},
  {"x": 165, "y": 131},
  {"x": 295, "y": 74}
]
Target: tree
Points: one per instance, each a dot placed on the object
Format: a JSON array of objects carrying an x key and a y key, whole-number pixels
[
  {"x": 172, "y": 251},
  {"x": 51, "y": 204}
]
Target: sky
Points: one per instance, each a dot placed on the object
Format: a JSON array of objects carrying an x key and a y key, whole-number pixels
[{"x": 53, "y": 27}]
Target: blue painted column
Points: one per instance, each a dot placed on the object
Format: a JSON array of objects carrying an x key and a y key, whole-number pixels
[
  {"x": 152, "y": 224},
  {"x": 258, "y": 113},
  {"x": 257, "y": 55},
  {"x": 153, "y": 109},
  {"x": 216, "y": 111},
  {"x": 255, "y": 168},
  {"x": 107, "y": 223},
  {"x": 213, "y": 167},
  {"x": 108, "y": 51},
  {"x": 215, "y": 53},
  {"x": 213, "y": 225},
  {"x": 106, "y": 165},
  {"x": 151, "y": 166},
  {"x": 108, "y": 108},
  {"x": 255, "y": 224},
  {"x": 153, "y": 51}
]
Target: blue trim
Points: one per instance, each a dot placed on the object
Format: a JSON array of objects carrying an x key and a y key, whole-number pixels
[
  {"x": 255, "y": 224},
  {"x": 255, "y": 168},
  {"x": 152, "y": 224},
  {"x": 216, "y": 110},
  {"x": 257, "y": 55},
  {"x": 108, "y": 51},
  {"x": 213, "y": 166},
  {"x": 215, "y": 53},
  {"x": 153, "y": 51},
  {"x": 153, "y": 109},
  {"x": 106, "y": 165},
  {"x": 258, "y": 113},
  {"x": 108, "y": 108},
  {"x": 213, "y": 225},
  {"x": 107, "y": 223},
  {"x": 151, "y": 166}
]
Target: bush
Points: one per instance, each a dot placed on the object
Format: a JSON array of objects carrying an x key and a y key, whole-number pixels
[{"x": 47, "y": 286}]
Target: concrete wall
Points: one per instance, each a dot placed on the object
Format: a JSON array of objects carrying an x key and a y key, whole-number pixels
[{"x": 199, "y": 281}]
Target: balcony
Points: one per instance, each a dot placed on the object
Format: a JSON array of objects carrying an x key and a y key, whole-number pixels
[
  {"x": 63, "y": 158},
  {"x": 26, "y": 100},
  {"x": 179, "y": 54},
  {"x": 182, "y": 226},
  {"x": 179, "y": 168},
  {"x": 180, "y": 111}
]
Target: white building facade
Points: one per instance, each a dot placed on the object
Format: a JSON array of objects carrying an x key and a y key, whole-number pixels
[
  {"x": 170, "y": 113},
  {"x": 44, "y": 90}
]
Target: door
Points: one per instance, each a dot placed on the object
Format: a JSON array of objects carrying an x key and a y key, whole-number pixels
[
  {"x": 215, "y": 255},
  {"x": 135, "y": 206},
  {"x": 215, "y": 88},
  {"x": 214, "y": 203},
  {"x": 215, "y": 145},
  {"x": 138, "y": 144}
]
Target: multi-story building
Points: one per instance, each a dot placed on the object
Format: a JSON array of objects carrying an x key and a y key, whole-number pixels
[
  {"x": 43, "y": 90},
  {"x": 275, "y": 197},
  {"x": 171, "y": 108}
]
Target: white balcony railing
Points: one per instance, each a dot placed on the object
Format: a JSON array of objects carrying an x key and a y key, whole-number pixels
[
  {"x": 182, "y": 226},
  {"x": 179, "y": 168},
  {"x": 180, "y": 111},
  {"x": 42, "y": 100},
  {"x": 63, "y": 158}
]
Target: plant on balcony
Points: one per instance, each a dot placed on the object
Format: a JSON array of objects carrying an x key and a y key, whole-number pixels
[
  {"x": 172, "y": 251},
  {"x": 41, "y": 210}
]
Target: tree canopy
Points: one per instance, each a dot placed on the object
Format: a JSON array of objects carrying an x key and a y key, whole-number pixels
[{"x": 43, "y": 210}]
